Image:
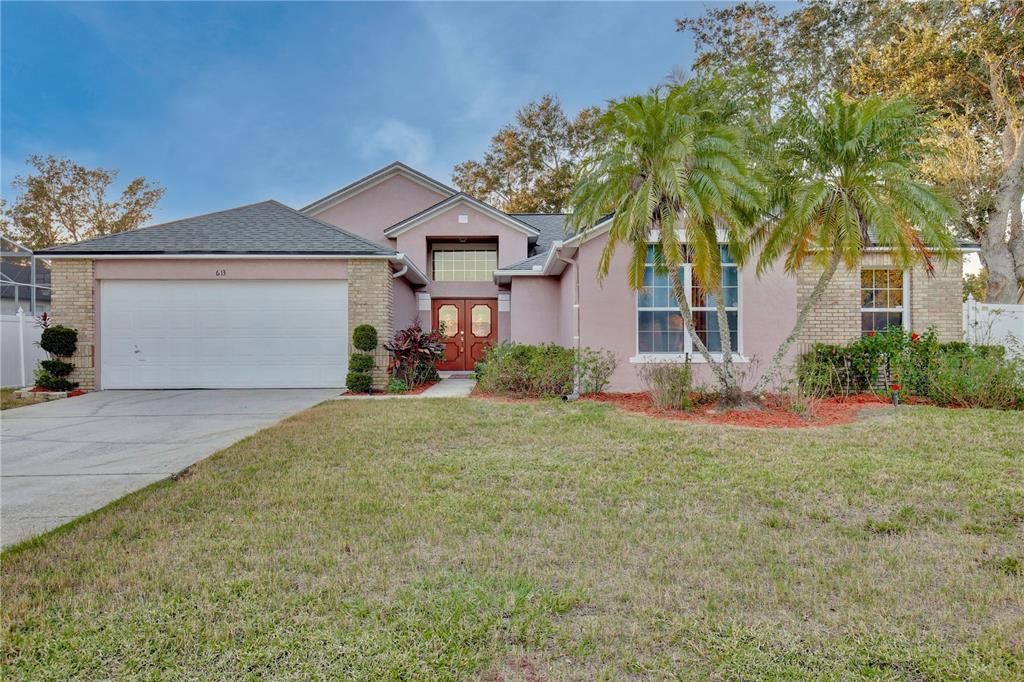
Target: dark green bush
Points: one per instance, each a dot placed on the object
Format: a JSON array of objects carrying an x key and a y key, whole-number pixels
[
  {"x": 59, "y": 340},
  {"x": 360, "y": 362},
  {"x": 977, "y": 378},
  {"x": 544, "y": 370},
  {"x": 57, "y": 368},
  {"x": 53, "y": 383},
  {"x": 953, "y": 373},
  {"x": 364, "y": 338},
  {"x": 359, "y": 382}
]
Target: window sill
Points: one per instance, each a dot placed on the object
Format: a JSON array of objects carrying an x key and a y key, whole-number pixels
[{"x": 695, "y": 359}]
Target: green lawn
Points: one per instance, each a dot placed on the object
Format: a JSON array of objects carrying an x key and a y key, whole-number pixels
[{"x": 419, "y": 539}]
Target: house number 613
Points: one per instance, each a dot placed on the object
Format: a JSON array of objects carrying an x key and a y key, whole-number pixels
[{"x": 222, "y": 273}]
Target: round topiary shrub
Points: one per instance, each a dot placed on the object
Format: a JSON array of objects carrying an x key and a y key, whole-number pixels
[
  {"x": 59, "y": 340},
  {"x": 57, "y": 368},
  {"x": 364, "y": 337},
  {"x": 360, "y": 362},
  {"x": 358, "y": 382}
]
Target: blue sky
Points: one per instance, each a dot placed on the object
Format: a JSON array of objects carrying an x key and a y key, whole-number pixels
[{"x": 226, "y": 104}]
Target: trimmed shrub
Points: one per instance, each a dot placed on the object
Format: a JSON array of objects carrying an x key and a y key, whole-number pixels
[
  {"x": 668, "y": 384},
  {"x": 59, "y": 340},
  {"x": 57, "y": 368},
  {"x": 364, "y": 338},
  {"x": 527, "y": 371},
  {"x": 542, "y": 371},
  {"x": 358, "y": 382},
  {"x": 360, "y": 362},
  {"x": 53, "y": 383}
]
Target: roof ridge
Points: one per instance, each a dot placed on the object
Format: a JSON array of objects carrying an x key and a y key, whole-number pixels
[{"x": 380, "y": 172}]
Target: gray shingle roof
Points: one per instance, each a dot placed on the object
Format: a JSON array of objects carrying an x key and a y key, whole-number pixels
[
  {"x": 268, "y": 227},
  {"x": 551, "y": 226}
]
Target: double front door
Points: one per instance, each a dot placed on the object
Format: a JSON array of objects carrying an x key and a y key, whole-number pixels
[{"x": 469, "y": 327}]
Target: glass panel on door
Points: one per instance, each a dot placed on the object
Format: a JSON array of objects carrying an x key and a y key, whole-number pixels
[
  {"x": 481, "y": 320},
  {"x": 448, "y": 319}
]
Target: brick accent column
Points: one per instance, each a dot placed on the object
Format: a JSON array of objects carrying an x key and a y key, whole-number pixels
[
  {"x": 73, "y": 304},
  {"x": 370, "y": 301}
]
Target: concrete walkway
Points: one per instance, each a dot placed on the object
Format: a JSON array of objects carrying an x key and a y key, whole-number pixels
[
  {"x": 455, "y": 387},
  {"x": 62, "y": 459}
]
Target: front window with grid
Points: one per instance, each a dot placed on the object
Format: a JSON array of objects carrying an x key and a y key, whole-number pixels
[
  {"x": 465, "y": 265},
  {"x": 881, "y": 300},
  {"x": 659, "y": 323}
]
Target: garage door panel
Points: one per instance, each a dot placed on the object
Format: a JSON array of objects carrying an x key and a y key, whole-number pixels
[{"x": 217, "y": 334}]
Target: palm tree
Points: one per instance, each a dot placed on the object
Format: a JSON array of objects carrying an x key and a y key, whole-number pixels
[
  {"x": 672, "y": 164},
  {"x": 846, "y": 179}
]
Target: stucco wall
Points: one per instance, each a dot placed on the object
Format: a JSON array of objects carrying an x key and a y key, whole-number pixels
[
  {"x": 404, "y": 311},
  {"x": 535, "y": 310},
  {"x": 608, "y": 315},
  {"x": 369, "y": 212},
  {"x": 512, "y": 244}
]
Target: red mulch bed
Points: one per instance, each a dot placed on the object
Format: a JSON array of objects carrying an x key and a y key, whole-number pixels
[
  {"x": 774, "y": 412},
  {"x": 418, "y": 389}
]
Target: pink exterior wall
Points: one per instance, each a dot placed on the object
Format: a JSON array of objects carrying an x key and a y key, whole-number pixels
[
  {"x": 403, "y": 309},
  {"x": 535, "y": 310},
  {"x": 608, "y": 314},
  {"x": 512, "y": 247},
  {"x": 227, "y": 268},
  {"x": 368, "y": 213}
]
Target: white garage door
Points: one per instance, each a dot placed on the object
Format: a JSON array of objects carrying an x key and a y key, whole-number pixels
[{"x": 223, "y": 334}]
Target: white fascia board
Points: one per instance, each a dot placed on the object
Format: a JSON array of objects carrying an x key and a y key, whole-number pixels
[{"x": 451, "y": 203}]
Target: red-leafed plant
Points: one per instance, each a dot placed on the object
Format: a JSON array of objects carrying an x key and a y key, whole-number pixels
[{"x": 414, "y": 354}]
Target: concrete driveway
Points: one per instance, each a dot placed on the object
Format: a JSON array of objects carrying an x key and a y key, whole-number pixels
[{"x": 65, "y": 458}]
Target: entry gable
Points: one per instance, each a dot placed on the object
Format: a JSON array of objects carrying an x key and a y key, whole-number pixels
[{"x": 461, "y": 200}]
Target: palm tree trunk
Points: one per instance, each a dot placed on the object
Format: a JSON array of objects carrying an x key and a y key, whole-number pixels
[
  {"x": 731, "y": 393},
  {"x": 679, "y": 291},
  {"x": 819, "y": 290}
]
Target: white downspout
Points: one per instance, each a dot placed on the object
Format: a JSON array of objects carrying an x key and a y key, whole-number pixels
[{"x": 576, "y": 336}]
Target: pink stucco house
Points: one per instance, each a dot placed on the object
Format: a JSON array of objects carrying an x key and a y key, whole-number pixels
[{"x": 266, "y": 296}]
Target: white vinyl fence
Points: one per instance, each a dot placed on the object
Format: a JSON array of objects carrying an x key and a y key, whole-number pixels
[
  {"x": 19, "y": 349},
  {"x": 994, "y": 323}
]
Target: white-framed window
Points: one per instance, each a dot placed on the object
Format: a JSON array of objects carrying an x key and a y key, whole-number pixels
[
  {"x": 464, "y": 263},
  {"x": 660, "y": 329},
  {"x": 883, "y": 299}
]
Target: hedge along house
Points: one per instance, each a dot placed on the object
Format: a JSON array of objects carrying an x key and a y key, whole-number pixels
[{"x": 267, "y": 296}]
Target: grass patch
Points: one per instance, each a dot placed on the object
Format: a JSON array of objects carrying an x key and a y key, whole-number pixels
[{"x": 437, "y": 539}]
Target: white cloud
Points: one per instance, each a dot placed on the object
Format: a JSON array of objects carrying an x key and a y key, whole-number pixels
[{"x": 395, "y": 140}]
